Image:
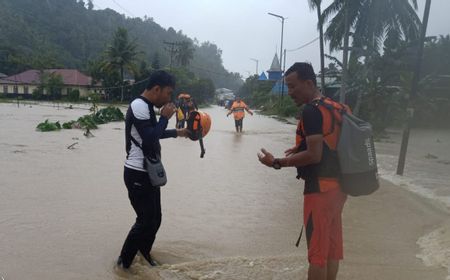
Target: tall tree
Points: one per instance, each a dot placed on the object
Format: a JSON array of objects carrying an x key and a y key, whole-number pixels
[
  {"x": 185, "y": 53},
  {"x": 370, "y": 22},
  {"x": 90, "y": 5},
  {"x": 316, "y": 4},
  {"x": 156, "y": 62},
  {"x": 82, "y": 3},
  {"x": 121, "y": 54}
]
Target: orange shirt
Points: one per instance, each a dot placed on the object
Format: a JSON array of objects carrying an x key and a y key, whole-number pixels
[{"x": 238, "y": 109}]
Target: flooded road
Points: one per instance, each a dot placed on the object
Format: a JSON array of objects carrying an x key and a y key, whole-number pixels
[{"x": 65, "y": 213}]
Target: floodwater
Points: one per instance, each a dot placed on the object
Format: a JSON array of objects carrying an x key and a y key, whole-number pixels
[
  {"x": 427, "y": 173},
  {"x": 64, "y": 213}
]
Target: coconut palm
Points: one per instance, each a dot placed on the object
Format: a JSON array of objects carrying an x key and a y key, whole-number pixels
[
  {"x": 121, "y": 54},
  {"x": 371, "y": 23},
  {"x": 185, "y": 53},
  {"x": 316, "y": 4}
]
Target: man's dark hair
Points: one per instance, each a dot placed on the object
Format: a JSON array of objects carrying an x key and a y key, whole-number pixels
[
  {"x": 304, "y": 71},
  {"x": 160, "y": 78}
]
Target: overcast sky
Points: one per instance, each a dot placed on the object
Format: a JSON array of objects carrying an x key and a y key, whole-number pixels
[{"x": 242, "y": 29}]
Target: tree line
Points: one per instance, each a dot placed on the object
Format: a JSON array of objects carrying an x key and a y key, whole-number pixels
[
  {"x": 42, "y": 34},
  {"x": 379, "y": 41}
]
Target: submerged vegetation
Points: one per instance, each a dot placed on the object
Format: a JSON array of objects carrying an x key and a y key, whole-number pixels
[
  {"x": 91, "y": 121},
  {"x": 48, "y": 126}
]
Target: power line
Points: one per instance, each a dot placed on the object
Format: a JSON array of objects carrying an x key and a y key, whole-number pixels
[
  {"x": 303, "y": 46},
  {"x": 209, "y": 71},
  {"x": 120, "y": 6},
  {"x": 172, "y": 49}
]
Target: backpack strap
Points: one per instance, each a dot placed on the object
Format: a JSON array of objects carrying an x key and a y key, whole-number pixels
[
  {"x": 150, "y": 110},
  {"x": 300, "y": 237},
  {"x": 333, "y": 111}
]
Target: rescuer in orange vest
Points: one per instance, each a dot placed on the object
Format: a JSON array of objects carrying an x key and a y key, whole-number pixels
[{"x": 237, "y": 109}]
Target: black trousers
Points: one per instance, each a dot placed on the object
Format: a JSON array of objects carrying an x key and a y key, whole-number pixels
[
  {"x": 146, "y": 202},
  {"x": 238, "y": 124}
]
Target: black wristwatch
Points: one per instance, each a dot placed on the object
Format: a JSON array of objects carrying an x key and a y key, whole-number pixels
[{"x": 276, "y": 164}]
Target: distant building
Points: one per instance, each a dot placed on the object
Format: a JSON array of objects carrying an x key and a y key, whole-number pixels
[
  {"x": 262, "y": 77},
  {"x": 25, "y": 83},
  {"x": 279, "y": 88},
  {"x": 275, "y": 72},
  {"x": 224, "y": 94}
]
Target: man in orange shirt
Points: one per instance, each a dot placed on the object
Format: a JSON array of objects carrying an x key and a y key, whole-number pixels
[
  {"x": 237, "y": 109},
  {"x": 316, "y": 160}
]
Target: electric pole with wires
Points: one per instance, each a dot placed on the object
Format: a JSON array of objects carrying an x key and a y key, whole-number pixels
[{"x": 172, "y": 49}]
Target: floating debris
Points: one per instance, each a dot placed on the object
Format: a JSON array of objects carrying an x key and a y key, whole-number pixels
[
  {"x": 71, "y": 147},
  {"x": 431, "y": 156}
]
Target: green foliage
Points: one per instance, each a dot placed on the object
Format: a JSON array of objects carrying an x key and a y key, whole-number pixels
[
  {"x": 38, "y": 94},
  {"x": 48, "y": 126},
  {"x": 372, "y": 22},
  {"x": 257, "y": 94},
  {"x": 66, "y": 34},
  {"x": 121, "y": 55},
  {"x": 73, "y": 95},
  {"x": 69, "y": 125},
  {"x": 87, "y": 121},
  {"x": 251, "y": 87},
  {"x": 109, "y": 114},
  {"x": 50, "y": 86},
  {"x": 91, "y": 121},
  {"x": 156, "y": 62},
  {"x": 202, "y": 90},
  {"x": 283, "y": 107},
  {"x": 185, "y": 53}
]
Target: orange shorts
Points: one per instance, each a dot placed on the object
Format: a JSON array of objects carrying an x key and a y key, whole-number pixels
[{"x": 323, "y": 224}]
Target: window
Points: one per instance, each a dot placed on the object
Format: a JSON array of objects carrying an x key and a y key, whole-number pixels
[
  {"x": 69, "y": 90},
  {"x": 16, "y": 89},
  {"x": 5, "y": 89},
  {"x": 25, "y": 89}
]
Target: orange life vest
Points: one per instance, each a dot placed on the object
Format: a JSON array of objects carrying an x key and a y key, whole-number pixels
[
  {"x": 238, "y": 109},
  {"x": 327, "y": 171}
]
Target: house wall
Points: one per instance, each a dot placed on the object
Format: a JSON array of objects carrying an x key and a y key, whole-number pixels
[
  {"x": 10, "y": 89},
  {"x": 13, "y": 90}
]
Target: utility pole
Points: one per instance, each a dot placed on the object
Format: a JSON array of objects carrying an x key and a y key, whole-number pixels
[
  {"x": 414, "y": 89},
  {"x": 172, "y": 50},
  {"x": 282, "y": 31},
  {"x": 257, "y": 62},
  {"x": 281, "y": 48},
  {"x": 282, "y": 76},
  {"x": 345, "y": 52}
]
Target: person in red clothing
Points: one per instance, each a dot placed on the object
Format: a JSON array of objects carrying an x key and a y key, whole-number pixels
[
  {"x": 315, "y": 157},
  {"x": 237, "y": 109}
]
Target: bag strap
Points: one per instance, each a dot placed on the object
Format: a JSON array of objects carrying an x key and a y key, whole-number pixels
[
  {"x": 300, "y": 237},
  {"x": 131, "y": 136},
  {"x": 331, "y": 109},
  {"x": 136, "y": 142}
]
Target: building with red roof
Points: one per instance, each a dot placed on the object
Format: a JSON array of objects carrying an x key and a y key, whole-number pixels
[{"x": 23, "y": 84}]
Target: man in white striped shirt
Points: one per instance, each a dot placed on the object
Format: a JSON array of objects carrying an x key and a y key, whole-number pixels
[{"x": 142, "y": 134}]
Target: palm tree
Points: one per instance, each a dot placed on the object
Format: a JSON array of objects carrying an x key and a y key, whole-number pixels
[
  {"x": 371, "y": 22},
  {"x": 185, "y": 53},
  {"x": 121, "y": 54},
  {"x": 316, "y": 4}
]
